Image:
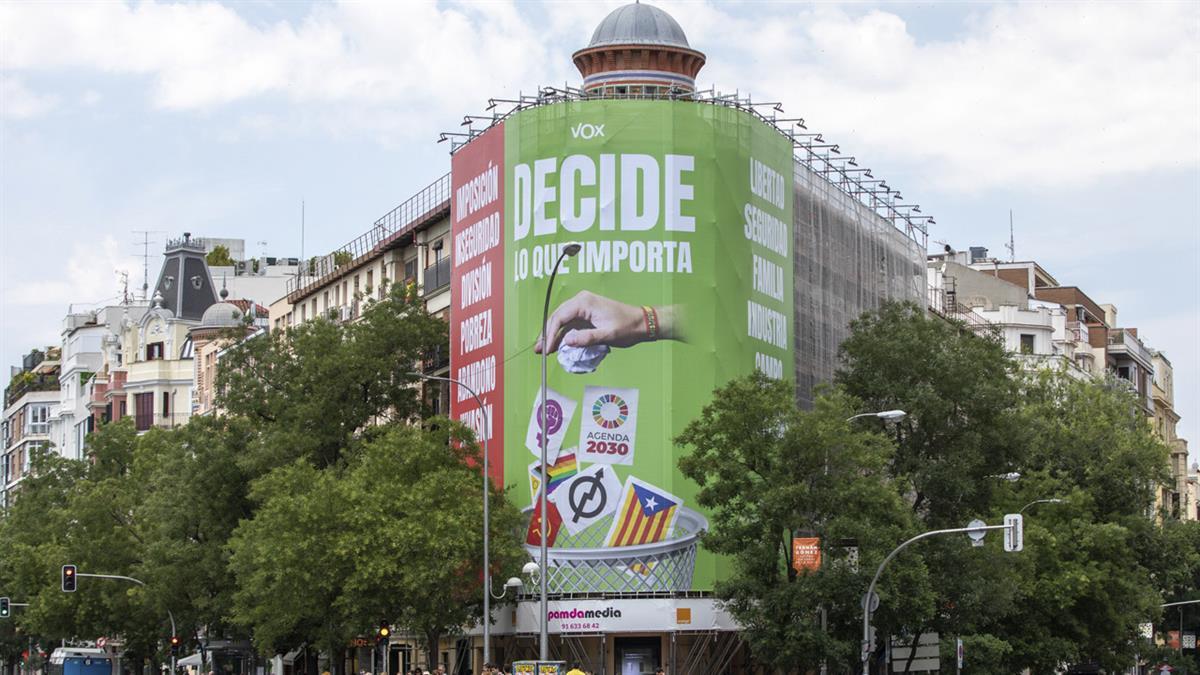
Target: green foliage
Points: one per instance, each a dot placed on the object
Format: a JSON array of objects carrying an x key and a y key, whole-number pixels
[
  {"x": 219, "y": 257},
  {"x": 396, "y": 533},
  {"x": 342, "y": 258},
  {"x": 1094, "y": 567},
  {"x": 1098, "y": 565},
  {"x": 961, "y": 397},
  {"x": 769, "y": 471},
  {"x": 311, "y": 390},
  {"x": 292, "y": 475}
]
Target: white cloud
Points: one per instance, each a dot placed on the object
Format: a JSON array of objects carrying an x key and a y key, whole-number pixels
[
  {"x": 1049, "y": 95},
  {"x": 90, "y": 270},
  {"x": 18, "y": 102},
  {"x": 1054, "y": 94},
  {"x": 409, "y": 58}
]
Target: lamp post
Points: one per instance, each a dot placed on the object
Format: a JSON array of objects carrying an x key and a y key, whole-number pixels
[
  {"x": 1053, "y": 500},
  {"x": 885, "y": 415},
  {"x": 867, "y": 599},
  {"x": 487, "y": 521},
  {"x": 544, "y": 604}
]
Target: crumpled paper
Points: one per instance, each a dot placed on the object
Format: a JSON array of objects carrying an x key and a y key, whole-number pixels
[{"x": 579, "y": 360}]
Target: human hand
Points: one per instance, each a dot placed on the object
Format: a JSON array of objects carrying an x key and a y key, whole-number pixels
[{"x": 593, "y": 319}]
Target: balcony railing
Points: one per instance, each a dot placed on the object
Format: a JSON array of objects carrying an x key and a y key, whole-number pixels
[
  {"x": 418, "y": 209},
  {"x": 1122, "y": 341},
  {"x": 437, "y": 276},
  {"x": 945, "y": 306},
  {"x": 26, "y": 382}
]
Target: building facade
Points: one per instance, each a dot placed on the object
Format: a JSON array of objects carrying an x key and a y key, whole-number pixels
[
  {"x": 1045, "y": 324},
  {"x": 30, "y": 401}
]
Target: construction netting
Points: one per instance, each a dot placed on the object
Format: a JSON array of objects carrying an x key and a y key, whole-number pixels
[{"x": 848, "y": 260}]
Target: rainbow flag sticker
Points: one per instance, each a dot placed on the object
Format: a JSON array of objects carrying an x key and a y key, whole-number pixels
[{"x": 561, "y": 470}]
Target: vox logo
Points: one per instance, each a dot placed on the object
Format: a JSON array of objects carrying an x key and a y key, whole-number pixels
[{"x": 587, "y": 131}]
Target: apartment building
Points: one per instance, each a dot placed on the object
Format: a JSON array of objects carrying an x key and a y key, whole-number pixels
[
  {"x": 30, "y": 400},
  {"x": 1046, "y": 324},
  {"x": 222, "y": 325},
  {"x": 409, "y": 245}
]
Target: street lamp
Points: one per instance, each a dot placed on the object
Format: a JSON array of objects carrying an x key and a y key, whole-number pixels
[
  {"x": 1053, "y": 500},
  {"x": 886, "y": 415},
  {"x": 544, "y": 636},
  {"x": 487, "y": 521}
]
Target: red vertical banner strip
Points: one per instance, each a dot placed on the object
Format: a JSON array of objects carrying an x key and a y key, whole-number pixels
[{"x": 477, "y": 290}]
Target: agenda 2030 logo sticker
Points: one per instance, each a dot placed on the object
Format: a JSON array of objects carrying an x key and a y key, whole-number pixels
[
  {"x": 610, "y": 411},
  {"x": 609, "y": 427}
]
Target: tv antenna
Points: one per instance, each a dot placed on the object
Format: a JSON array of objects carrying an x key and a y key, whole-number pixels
[
  {"x": 145, "y": 244},
  {"x": 1012, "y": 242},
  {"x": 124, "y": 286}
]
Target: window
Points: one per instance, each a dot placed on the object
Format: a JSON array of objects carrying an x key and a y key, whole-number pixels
[
  {"x": 410, "y": 270},
  {"x": 166, "y": 405},
  {"x": 37, "y": 419},
  {"x": 370, "y": 280},
  {"x": 143, "y": 411},
  {"x": 122, "y": 409},
  {"x": 154, "y": 351},
  {"x": 1026, "y": 343},
  {"x": 1123, "y": 372}
]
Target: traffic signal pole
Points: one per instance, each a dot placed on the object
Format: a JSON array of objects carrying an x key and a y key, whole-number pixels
[{"x": 139, "y": 582}]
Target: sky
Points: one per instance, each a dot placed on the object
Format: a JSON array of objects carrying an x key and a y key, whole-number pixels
[{"x": 220, "y": 119}]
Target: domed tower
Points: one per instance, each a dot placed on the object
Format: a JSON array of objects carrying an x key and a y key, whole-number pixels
[{"x": 638, "y": 50}]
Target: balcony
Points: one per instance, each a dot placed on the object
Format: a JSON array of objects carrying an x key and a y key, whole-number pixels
[
  {"x": 25, "y": 382},
  {"x": 437, "y": 276},
  {"x": 1121, "y": 341}
]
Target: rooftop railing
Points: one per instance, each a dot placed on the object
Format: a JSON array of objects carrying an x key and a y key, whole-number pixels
[{"x": 417, "y": 210}]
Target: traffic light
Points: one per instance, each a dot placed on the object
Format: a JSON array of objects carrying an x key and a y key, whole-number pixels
[
  {"x": 68, "y": 578},
  {"x": 174, "y": 645},
  {"x": 384, "y": 631},
  {"x": 5, "y": 609}
]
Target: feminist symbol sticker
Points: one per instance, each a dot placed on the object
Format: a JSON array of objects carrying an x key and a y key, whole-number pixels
[
  {"x": 588, "y": 497},
  {"x": 558, "y": 412}
]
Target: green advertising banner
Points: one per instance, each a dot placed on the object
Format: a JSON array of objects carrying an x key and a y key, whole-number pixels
[{"x": 683, "y": 212}]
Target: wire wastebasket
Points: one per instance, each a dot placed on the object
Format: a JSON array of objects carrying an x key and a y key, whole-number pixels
[{"x": 582, "y": 564}]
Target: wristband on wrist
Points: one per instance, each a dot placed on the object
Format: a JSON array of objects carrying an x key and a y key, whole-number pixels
[{"x": 651, "y": 317}]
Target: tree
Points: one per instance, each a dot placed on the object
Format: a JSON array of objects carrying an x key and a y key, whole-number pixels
[
  {"x": 393, "y": 534},
  {"x": 311, "y": 390},
  {"x": 767, "y": 472},
  {"x": 1098, "y": 564},
  {"x": 219, "y": 257},
  {"x": 418, "y": 508},
  {"x": 961, "y": 395},
  {"x": 962, "y": 433},
  {"x": 196, "y": 495}
]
